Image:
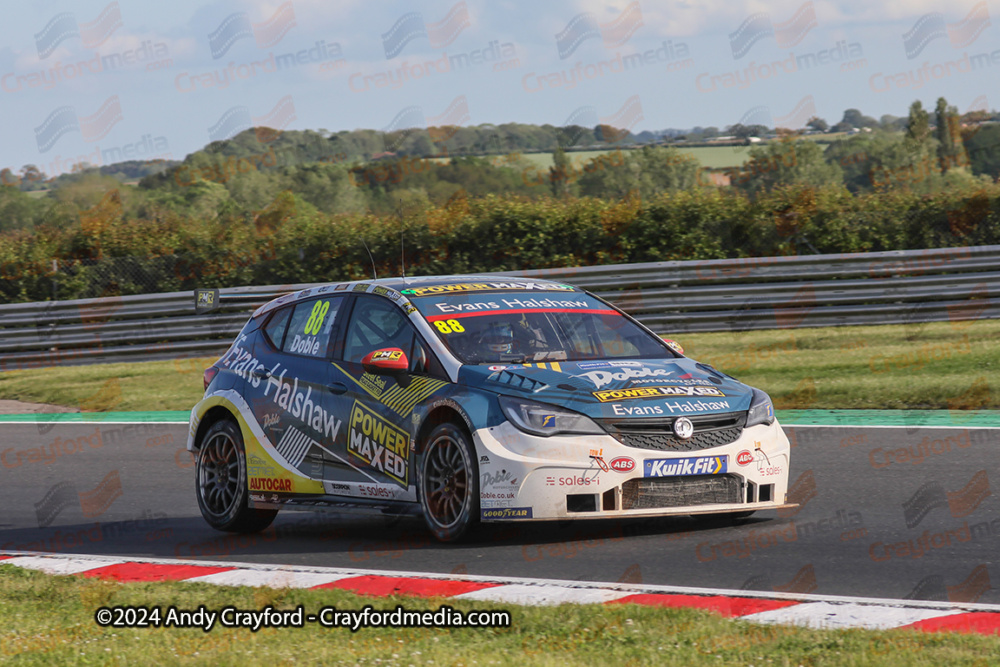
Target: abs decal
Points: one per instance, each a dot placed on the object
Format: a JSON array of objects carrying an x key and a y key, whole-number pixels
[{"x": 379, "y": 444}]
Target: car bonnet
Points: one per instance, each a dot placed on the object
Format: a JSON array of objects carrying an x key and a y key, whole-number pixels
[{"x": 639, "y": 388}]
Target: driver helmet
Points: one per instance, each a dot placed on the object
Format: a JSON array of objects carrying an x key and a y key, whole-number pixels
[{"x": 499, "y": 338}]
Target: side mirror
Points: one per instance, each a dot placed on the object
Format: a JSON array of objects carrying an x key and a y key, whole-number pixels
[
  {"x": 387, "y": 361},
  {"x": 674, "y": 345}
]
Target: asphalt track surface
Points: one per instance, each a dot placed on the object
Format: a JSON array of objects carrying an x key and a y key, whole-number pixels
[{"x": 892, "y": 512}]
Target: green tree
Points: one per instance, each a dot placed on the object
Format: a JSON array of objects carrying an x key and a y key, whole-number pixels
[
  {"x": 785, "y": 162},
  {"x": 950, "y": 150},
  {"x": 917, "y": 123},
  {"x": 560, "y": 173}
]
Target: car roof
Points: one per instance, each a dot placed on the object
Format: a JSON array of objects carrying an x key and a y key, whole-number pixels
[{"x": 397, "y": 288}]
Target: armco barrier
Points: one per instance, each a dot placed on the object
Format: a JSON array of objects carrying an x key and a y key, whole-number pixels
[{"x": 895, "y": 287}]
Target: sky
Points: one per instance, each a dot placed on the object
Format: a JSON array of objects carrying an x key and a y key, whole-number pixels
[{"x": 102, "y": 82}]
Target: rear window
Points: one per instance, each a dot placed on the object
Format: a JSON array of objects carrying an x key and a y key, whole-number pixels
[{"x": 535, "y": 326}]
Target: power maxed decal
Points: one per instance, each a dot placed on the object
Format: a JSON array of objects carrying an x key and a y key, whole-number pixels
[
  {"x": 379, "y": 444},
  {"x": 653, "y": 392},
  {"x": 693, "y": 465}
]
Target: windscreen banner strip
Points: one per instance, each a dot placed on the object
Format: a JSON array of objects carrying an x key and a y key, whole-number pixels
[{"x": 519, "y": 311}]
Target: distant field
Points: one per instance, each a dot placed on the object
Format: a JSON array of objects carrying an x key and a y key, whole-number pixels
[{"x": 710, "y": 157}]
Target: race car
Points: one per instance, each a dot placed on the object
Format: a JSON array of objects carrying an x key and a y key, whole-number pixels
[{"x": 471, "y": 400}]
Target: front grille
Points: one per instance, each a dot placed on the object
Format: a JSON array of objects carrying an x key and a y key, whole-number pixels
[
  {"x": 709, "y": 431},
  {"x": 640, "y": 494}
]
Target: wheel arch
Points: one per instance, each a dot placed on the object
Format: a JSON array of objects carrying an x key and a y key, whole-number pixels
[
  {"x": 214, "y": 414},
  {"x": 441, "y": 414}
]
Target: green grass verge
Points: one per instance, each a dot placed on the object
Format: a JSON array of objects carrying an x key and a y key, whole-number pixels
[
  {"x": 49, "y": 620},
  {"x": 941, "y": 365}
]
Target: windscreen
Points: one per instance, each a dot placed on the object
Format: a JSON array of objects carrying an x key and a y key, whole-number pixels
[{"x": 519, "y": 327}]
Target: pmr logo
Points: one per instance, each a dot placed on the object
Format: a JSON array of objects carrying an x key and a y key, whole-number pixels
[
  {"x": 65, "y": 26},
  {"x": 933, "y": 495},
  {"x": 268, "y": 127},
  {"x": 65, "y": 120},
  {"x": 759, "y": 26},
  {"x": 932, "y": 26},
  {"x": 586, "y": 26},
  {"x": 412, "y": 25},
  {"x": 238, "y": 26}
]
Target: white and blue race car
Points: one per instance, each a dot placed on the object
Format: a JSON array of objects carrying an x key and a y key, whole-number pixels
[{"x": 467, "y": 400}]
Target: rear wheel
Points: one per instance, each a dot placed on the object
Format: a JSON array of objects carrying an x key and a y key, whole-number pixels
[
  {"x": 449, "y": 484},
  {"x": 221, "y": 482}
]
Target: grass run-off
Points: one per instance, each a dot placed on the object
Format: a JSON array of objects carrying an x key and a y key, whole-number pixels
[
  {"x": 940, "y": 365},
  {"x": 49, "y": 620}
]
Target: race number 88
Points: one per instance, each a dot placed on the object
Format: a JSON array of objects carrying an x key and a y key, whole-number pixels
[
  {"x": 316, "y": 317},
  {"x": 449, "y": 326}
]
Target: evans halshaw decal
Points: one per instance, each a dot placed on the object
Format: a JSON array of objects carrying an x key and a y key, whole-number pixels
[
  {"x": 653, "y": 392},
  {"x": 302, "y": 405},
  {"x": 508, "y": 304},
  {"x": 693, "y": 465},
  {"x": 507, "y": 513},
  {"x": 379, "y": 444},
  {"x": 696, "y": 406}
]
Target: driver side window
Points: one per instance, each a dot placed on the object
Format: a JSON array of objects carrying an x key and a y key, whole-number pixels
[{"x": 375, "y": 324}]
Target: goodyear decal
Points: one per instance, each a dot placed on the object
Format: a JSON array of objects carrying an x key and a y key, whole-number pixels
[
  {"x": 653, "y": 392},
  {"x": 506, "y": 513},
  {"x": 551, "y": 365},
  {"x": 381, "y": 445},
  {"x": 693, "y": 465},
  {"x": 399, "y": 399}
]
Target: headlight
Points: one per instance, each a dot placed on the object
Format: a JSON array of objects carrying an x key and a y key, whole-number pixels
[
  {"x": 546, "y": 420},
  {"x": 761, "y": 409}
]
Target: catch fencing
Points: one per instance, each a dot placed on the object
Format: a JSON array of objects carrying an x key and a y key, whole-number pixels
[{"x": 897, "y": 287}]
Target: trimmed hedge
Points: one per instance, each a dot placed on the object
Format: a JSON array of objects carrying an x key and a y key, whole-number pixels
[{"x": 103, "y": 253}]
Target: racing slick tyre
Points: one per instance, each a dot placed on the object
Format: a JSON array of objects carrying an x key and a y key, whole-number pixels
[
  {"x": 448, "y": 483},
  {"x": 221, "y": 482}
]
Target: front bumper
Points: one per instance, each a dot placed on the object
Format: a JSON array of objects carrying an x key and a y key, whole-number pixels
[{"x": 526, "y": 477}]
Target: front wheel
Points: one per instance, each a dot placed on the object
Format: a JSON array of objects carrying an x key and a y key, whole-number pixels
[
  {"x": 221, "y": 482},
  {"x": 449, "y": 484}
]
